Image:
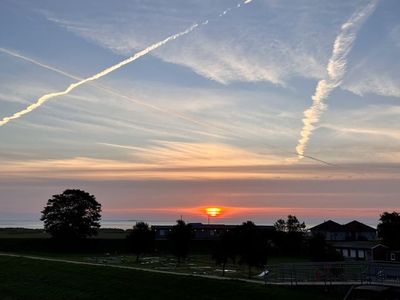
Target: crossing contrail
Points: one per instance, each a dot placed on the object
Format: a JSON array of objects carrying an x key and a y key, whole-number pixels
[
  {"x": 81, "y": 81},
  {"x": 73, "y": 86},
  {"x": 336, "y": 70},
  {"x": 38, "y": 63},
  {"x": 153, "y": 107},
  {"x": 103, "y": 88}
]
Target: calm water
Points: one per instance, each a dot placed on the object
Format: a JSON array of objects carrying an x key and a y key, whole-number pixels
[{"x": 32, "y": 224}]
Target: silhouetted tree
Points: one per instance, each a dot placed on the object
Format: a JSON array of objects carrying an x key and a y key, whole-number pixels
[
  {"x": 141, "y": 239},
  {"x": 389, "y": 229},
  {"x": 225, "y": 249},
  {"x": 280, "y": 225},
  {"x": 289, "y": 235},
  {"x": 180, "y": 237},
  {"x": 72, "y": 215},
  {"x": 252, "y": 248},
  {"x": 292, "y": 224}
]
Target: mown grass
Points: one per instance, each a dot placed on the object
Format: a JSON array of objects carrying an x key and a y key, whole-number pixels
[
  {"x": 23, "y": 233},
  {"x": 194, "y": 264},
  {"x": 22, "y": 278}
]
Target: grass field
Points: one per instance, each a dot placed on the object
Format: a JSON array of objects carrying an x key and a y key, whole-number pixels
[
  {"x": 194, "y": 264},
  {"x": 22, "y": 278},
  {"x": 36, "y": 242},
  {"x": 23, "y": 233}
]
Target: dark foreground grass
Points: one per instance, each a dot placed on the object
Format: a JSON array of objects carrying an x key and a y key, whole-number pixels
[{"x": 22, "y": 278}]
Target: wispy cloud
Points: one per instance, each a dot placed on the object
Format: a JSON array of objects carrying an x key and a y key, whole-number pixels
[
  {"x": 185, "y": 161},
  {"x": 73, "y": 86},
  {"x": 288, "y": 46},
  {"x": 384, "y": 132},
  {"x": 378, "y": 82},
  {"x": 184, "y": 154},
  {"x": 335, "y": 71},
  {"x": 114, "y": 92},
  {"x": 377, "y": 72}
]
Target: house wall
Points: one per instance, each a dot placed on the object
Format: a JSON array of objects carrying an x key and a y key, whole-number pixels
[
  {"x": 331, "y": 236},
  {"x": 394, "y": 256},
  {"x": 360, "y": 236},
  {"x": 161, "y": 233},
  {"x": 347, "y": 236},
  {"x": 356, "y": 254},
  {"x": 335, "y": 236}
]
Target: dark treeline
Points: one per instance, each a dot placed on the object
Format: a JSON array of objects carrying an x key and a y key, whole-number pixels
[{"x": 73, "y": 220}]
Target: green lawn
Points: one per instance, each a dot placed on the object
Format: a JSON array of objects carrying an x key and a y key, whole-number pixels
[
  {"x": 29, "y": 279},
  {"x": 195, "y": 264},
  {"x": 23, "y": 233}
]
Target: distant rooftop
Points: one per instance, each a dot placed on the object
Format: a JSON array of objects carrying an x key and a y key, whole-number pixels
[
  {"x": 329, "y": 225},
  {"x": 353, "y": 226},
  {"x": 356, "y": 226}
]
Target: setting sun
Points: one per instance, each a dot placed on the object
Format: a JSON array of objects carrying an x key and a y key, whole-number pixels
[{"x": 213, "y": 211}]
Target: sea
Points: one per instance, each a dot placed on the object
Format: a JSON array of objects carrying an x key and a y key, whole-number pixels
[{"x": 120, "y": 224}]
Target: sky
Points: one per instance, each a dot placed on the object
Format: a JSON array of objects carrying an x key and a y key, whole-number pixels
[{"x": 265, "y": 108}]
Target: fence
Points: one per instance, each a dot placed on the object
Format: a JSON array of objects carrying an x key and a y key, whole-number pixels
[{"x": 334, "y": 273}]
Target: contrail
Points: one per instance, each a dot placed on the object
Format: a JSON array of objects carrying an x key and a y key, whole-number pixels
[
  {"x": 35, "y": 62},
  {"x": 156, "y": 108},
  {"x": 102, "y": 87},
  {"x": 81, "y": 81},
  {"x": 73, "y": 86},
  {"x": 336, "y": 70}
]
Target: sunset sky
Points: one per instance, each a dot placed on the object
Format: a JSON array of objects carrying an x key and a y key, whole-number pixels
[{"x": 211, "y": 118}]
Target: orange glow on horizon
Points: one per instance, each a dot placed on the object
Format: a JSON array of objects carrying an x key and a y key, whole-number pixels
[
  {"x": 247, "y": 213},
  {"x": 213, "y": 211}
]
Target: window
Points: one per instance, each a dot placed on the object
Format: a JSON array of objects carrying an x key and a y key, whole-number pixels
[
  {"x": 353, "y": 253},
  {"x": 163, "y": 232},
  {"x": 392, "y": 256},
  {"x": 361, "y": 254}
]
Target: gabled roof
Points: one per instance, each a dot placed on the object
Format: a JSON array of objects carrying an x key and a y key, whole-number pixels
[
  {"x": 329, "y": 225},
  {"x": 355, "y": 226}
]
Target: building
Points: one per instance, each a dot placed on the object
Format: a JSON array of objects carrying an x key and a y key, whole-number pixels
[
  {"x": 203, "y": 232},
  {"x": 161, "y": 232},
  {"x": 394, "y": 256},
  {"x": 353, "y": 240},
  {"x": 331, "y": 230},
  {"x": 352, "y": 231},
  {"x": 361, "y": 250},
  {"x": 357, "y": 231}
]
